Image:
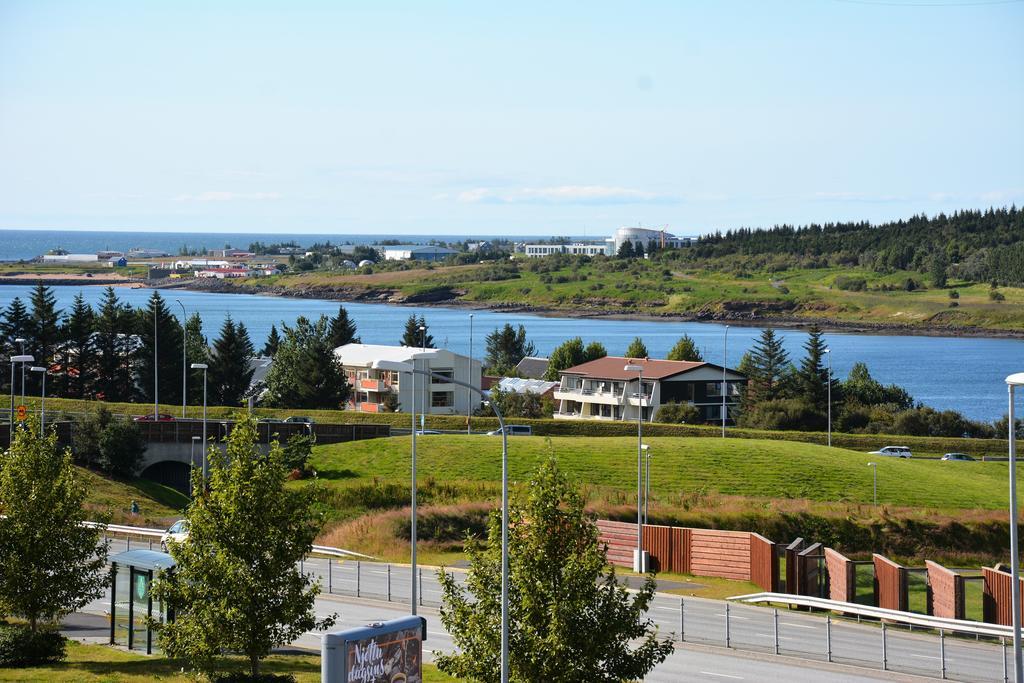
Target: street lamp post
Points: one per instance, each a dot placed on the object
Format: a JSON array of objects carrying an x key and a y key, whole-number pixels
[
  {"x": 203, "y": 367},
  {"x": 828, "y": 354},
  {"x": 184, "y": 362},
  {"x": 725, "y": 363},
  {"x": 192, "y": 454},
  {"x": 42, "y": 405},
  {"x": 396, "y": 366},
  {"x": 1013, "y": 381},
  {"x": 17, "y": 359},
  {"x": 469, "y": 400},
  {"x": 156, "y": 371},
  {"x": 639, "y": 563},
  {"x": 22, "y": 340},
  {"x": 874, "y": 477},
  {"x": 647, "y": 479}
]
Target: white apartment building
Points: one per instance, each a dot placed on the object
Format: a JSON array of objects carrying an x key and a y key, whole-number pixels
[
  {"x": 371, "y": 388},
  {"x": 603, "y": 390},
  {"x": 579, "y": 248}
]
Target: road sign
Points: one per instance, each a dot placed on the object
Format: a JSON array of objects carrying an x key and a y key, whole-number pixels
[{"x": 21, "y": 413}]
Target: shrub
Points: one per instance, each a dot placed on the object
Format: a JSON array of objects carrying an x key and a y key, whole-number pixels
[
  {"x": 679, "y": 413},
  {"x": 851, "y": 284},
  {"x": 996, "y": 295},
  {"x": 19, "y": 646},
  {"x": 953, "y": 294},
  {"x": 246, "y": 677},
  {"x": 783, "y": 414},
  {"x": 121, "y": 448}
]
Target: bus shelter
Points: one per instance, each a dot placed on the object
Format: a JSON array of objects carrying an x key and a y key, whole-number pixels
[{"x": 132, "y": 605}]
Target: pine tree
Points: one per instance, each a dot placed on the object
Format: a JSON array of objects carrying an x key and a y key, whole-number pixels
[
  {"x": 813, "y": 375},
  {"x": 506, "y": 346},
  {"x": 686, "y": 349},
  {"x": 343, "y": 329},
  {"x": 273, "y": 341},
  {"x": 413, "y": 337},
  {"x": 115, "y": 340},
  {"x": 167, "y": 344},
  {"x": 770, "y": 373},
  {"x": 572, "y": 620},
  {"x": 306, "y": 373},
  {"x": 625, "y": 250},
  {"x": 79, "y": 358},
  {"x": 937, "y": 268},
  {"x": 231, "y": 370},
  {"x": 14, "y": 325},
  {"x": 196, "y": 351},
  {"x": 637, "y": 349}
]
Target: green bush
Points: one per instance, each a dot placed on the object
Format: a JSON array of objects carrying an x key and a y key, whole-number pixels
[
  {"x": 849, "y": 283},
  {"x": 246, "y": 677},
  {"x": 19, "y": 646},
  {"x": 679, "y": 413}
]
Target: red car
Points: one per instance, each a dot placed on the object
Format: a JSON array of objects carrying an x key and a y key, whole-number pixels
[{"x": 161, "y": 417}]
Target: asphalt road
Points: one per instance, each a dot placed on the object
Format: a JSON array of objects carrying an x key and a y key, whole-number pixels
[{"x": 703, "y": 654}]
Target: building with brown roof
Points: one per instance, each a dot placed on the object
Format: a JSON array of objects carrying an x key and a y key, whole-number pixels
[{"x": 603, "y": 389}]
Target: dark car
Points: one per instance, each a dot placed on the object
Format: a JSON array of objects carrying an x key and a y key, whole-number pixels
[
  {"x": 962, "y": 457},
  {"x": 161, "y": 417},
  {"x": 299, "y": 419}
]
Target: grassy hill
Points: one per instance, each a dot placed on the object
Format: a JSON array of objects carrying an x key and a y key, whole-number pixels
[
  {"x": 157, "y": 503},
  {"x": 682, "y": 466}
]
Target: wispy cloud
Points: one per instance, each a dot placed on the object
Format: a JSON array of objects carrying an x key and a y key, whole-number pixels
[
  {"x": 215, "y": 196},
  {"x": 563, "y": 194}
]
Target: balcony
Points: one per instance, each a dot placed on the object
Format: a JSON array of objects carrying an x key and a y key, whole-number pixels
[
  {"x": 373, "y": 385},
  {"x": 369, "y": 407}
]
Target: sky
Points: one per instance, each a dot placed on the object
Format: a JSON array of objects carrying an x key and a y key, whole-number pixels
[{"x": 505, "y": 118}]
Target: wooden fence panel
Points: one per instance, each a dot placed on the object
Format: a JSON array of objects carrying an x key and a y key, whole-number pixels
[
  {"x": 890, "y": 584},
  {"x": 842, "y": 576},
  {"x": 620, "y": 538},
  {"x": 658, "y": 544},
  {"x": 945, "y": 592},
  {"x": 792, "y": 575},
  {"x": 997, "y": 602},
  {"x": 764, "y": 563},
  {"x": 720, "y": 553}
]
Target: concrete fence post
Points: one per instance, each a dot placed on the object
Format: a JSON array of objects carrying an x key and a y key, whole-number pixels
[
  {"x": 942, "y": 653},
  {"x": 330, "y": 576},
  {"x": 828, "y": 637},
  {"x": 727, "y": 639},
  {"x": 885, "y": 661},
  {"x": 128, "y": 543},
  {"x": 389, "y": 582},
  {"x": 682, "y": 620},
  {"x": 775, "y": 618},
  {"x": 358, "y": 576},
  {"x": 421, "y": 586},
  {"x": 1002, "y": 645}
]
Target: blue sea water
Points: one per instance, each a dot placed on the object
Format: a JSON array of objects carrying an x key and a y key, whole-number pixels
[{"x": 959, "y": 373}]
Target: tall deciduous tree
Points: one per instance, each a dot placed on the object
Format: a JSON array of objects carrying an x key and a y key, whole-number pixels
[
  {"x": 686, "y": 349},
  {"x": 115, "y": 342},
  {"x": 79, "y": 358},
  {"x": 937, "y": 268},
  {"x": 50, "y": 564},
  {"x": 506, "y": 346},
  {"x": 343, "y": 329},
  {"x": 637, "y": 349},
  {"x": 571, "y": 352},
  {"x": 571, "y": 619},
  {"x": 594, "y": 350},
  {"x": 414, "y": 337},
  {"x": 306, "y": 373},
  {"x": 157, "y": 319},
  {"x": 231, "y": 370},
  {"x": 237, "y": 586}
]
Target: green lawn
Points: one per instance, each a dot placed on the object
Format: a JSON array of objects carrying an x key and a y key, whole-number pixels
[
  {"x": 157, "y": 503},
  {"x": 680, "y": 467},
  {"x": 104, "y": 664}
]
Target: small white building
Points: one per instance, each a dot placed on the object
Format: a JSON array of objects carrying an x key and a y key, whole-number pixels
[
  {"x": 371, "y": 388},
  {"x": 578, "y": 248},
  {"x": 417, "y": 252},
  {"x": 71, "y": 258}
]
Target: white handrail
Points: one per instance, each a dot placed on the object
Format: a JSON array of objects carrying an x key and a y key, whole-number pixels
[{"x": 974, "y": 628}]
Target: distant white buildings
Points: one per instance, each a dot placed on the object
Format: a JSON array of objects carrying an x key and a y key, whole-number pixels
[
  {"x": 581, "y": 248},
  {"x": 416, "y": 252},
  {"x": 71, "y": 258},
  {"x": 376, "y": 391},
  {"x": 658, "y": 239}
]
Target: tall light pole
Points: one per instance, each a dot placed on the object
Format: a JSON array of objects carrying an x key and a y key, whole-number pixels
[
  {"x": 426, "y": 384},
  {"x": 639, "y": 565},
  {"x": 17, "y": 359},
  {"x": 725, "y": 363},
  {"x": 1013, "y": 381},
  {"x": 647, "y": 479},
  {"x": 192, "y": 454},
  {"x": 156, "y": 371},
  {"x": 874, "y": 488},
  {"x": 469, "y": 400},
  {"x": 184, "y": 363},
  {"x": 42, "y": 406},
  {"x": 203, "y": 367},
  {"x": 828, "y": 354},
  {"x": 396, "y": 366},
  {"x": 22, "y": 340}
]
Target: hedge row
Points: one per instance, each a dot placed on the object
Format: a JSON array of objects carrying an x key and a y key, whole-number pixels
[{"x": 551, "y": 427}]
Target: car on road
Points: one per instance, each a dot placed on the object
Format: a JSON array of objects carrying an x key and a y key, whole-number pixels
[
  {"x": 514, "y": 430},
  {"x": 299, "y": 419},
  {"x": 271, "y": 420},
  {"x": 161, "y": 417},
  {"x": 892, "y": 452},
  {"x": 423, "y": 432},
  {"x": 961, "y": 457},
  {"x": 177, "y": 532}
]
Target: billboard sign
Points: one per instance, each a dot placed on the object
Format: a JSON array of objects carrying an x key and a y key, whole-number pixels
[{"x": 387, "y": 652}]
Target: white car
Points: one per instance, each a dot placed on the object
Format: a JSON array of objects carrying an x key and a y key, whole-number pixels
[
  {"x": 893, "y": 452},
  {"x": 514, "y": 430},
  {"x": 177, "y": 531}
]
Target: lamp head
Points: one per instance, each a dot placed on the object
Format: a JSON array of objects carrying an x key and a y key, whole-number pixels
[
  {"x": 1016, "y": 379},
  {"x": 36, "y": 368},
  {"x": 633, "y": 367},
  {"x": 871, "y": 464},
  {"x": 23, "y": 359},
  {"x": 200, "y": 366}
]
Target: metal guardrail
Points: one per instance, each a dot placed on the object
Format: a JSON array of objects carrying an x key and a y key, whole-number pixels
[{"x": 974, "y": 628}]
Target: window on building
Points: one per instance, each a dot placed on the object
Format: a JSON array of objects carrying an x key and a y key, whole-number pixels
[
  {"x": 442, "y": 399},
  {"x": 446, "y": 374}
]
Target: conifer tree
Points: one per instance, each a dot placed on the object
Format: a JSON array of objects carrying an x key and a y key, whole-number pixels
[
  {"x": 343, "y": 329},
  {"x": 685, "y": 349},
  {"x": 79, "y": 358},
  {"x": 813, "y": 375},
  {"x": 196, "y": 351},
  {"x": 43, "y": 332},
  {"x": 273, "y": 341},
  {"x": 14, "y": 325},
  {"x": 306, "y": 373},
  {"x": 769, "y": 373},
  {"x": 625, "y": 250},
  {"x": 637, "y": 349},
  {"x": 157, "y": 319},
  {"x": 412, "y": 336},
  {"x": 231, "y": 370},
  {"x": 115, "y": 340},
  {"x": 506, "y": 346},
  {"x": 594, "y": 350}
]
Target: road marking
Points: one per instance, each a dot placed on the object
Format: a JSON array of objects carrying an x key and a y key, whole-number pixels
[
  {"x": 733, "y": 616},
  {"x": 712, "y": 673},
  {"x": 925, "y": 656},
  {"x": 667, "y": 609},
  {"x": 771, "y": 635},
  {"x": 786, "y": 623}
]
